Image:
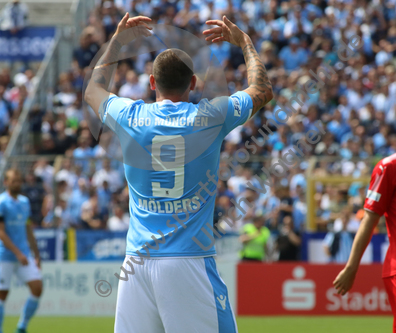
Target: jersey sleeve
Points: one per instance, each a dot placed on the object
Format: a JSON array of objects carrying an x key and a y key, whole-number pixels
[
  {"x": 240, "y": 106},
  {"x": 380, "y": 190},
  {"x": 112, "y": 108}
]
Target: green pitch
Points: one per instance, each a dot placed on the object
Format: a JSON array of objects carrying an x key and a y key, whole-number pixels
[{"x": 245, "y": 324}]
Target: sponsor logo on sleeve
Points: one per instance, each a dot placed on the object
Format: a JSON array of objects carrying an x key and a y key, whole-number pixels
[
  {"x": 375, "y": 196},
  {"x": 237, "y": 106}
]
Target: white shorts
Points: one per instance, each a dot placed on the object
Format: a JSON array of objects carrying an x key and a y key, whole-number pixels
[
  {"x": 25, "y": 274},
  {"x": 173, "y": 296}
]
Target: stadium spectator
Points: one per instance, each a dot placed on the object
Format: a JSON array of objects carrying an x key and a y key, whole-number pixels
[
  {"x": 33, "y": 188},
  {"x": 91, "y": 215},
  {"x": 222, "y": 190},
  {"x": 293, "y": 56},
  {"x": 104, "y": 199},
  {"x": 88, "y": 48},
  {"x": 62, "y": 218},
  {"x": 106, "y": 174},
  {"x": 66, "y": 173},
  {"x": 286, "y": 203},
  {"x": 66, "y": 95},
  {"x": 119, "y": 221},
  {"x": 63, "y": 139},
  {"x": 299, "y": 212},
  {"x": 289, "y": 241},
  {"x": 77, "y": 198},
  {"x": 84, "y": 151},
  {"x": 338, "y": 243},
  {"x": 144, "y": 77},
  {"x": 132, "y": 88},
  {"x": 248, "y": 205},
  {"x": 14, "y": 16},
  {"x": 45, "y": 171}
]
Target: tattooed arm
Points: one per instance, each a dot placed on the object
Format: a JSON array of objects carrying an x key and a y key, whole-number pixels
[
  {"x": 97, "y": 89},
  {"x": 260, "y": 88}
]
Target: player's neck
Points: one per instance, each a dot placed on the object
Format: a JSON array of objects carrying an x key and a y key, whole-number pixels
[
  {"x": 173, "y": 98},
  {"x": 13, "y": 195}
]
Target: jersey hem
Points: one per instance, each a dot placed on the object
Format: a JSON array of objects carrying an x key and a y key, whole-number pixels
[
  {"x": 172, "y": 255},
  {"x": 370, "y": 210}
]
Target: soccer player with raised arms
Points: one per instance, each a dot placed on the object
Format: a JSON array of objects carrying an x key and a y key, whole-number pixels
[
  {"x": 16, "y": 243},
  {"x": 170, "y": 147}
]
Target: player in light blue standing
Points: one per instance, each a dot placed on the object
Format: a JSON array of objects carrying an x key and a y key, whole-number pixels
[
  {"x": 171, "y": 151},
  {"x": 16, "y": 235}
]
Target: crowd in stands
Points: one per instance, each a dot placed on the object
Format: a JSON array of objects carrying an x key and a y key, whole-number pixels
[
  {"x": 14, "y": 92},
  {"x": 15, "y": 87},
  {"x": 357, "y": 107}
]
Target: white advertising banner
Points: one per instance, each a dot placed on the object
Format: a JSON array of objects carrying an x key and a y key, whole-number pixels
[
  {"x": 69, "y": 290},
  {"x": 73, "y": 288}
]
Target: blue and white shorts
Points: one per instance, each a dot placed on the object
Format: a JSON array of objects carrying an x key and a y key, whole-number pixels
[
  {"x": 27, "y": 273},
  {"x": 176, "y": 295}
]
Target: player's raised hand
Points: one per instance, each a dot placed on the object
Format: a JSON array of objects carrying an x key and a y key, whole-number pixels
[
  {"x": 344, "y": 280},
  {"x": 139, "y": 25},
  {"x": 226, "y": 31}
]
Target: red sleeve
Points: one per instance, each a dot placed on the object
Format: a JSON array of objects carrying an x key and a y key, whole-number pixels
[{"x": 380, "y": 190}]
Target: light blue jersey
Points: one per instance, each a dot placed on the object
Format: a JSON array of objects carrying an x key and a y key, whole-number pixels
[
  {"x": 170, "y": 151},
  {"x": 15, "y": 214}
]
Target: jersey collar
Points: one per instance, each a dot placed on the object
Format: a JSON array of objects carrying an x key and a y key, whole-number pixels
[{"x": 168, "y": 101}]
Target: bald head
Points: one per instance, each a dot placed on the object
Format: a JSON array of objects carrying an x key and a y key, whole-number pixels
[
  {"x": 11, "y": 173},
  {"x": 13, "y": 181}
]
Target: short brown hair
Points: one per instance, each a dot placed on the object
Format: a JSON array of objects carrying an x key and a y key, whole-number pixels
[{"x": 173, "y": 70}]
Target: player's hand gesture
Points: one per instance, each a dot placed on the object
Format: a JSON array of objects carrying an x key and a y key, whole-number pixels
[
  {"x": 22, "y": 259},
  {"x": 344, "y": 280},
  {"x": 139, "y": 28},
  {"x": 226, "y": 31}
]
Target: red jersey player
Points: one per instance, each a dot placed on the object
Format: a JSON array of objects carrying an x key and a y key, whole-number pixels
[{"x": 380, "y": 200}]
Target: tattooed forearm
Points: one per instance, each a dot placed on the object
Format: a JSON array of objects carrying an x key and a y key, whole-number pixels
[
  {"x": 98, "y": 87},
  {"x": 107, "y": 63},
  {"x": 260, "y": 88},
  {"x": 99, "y": 77}
]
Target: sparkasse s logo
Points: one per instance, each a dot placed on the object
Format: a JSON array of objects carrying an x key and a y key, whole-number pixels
[{"x": 299, "y": 293}]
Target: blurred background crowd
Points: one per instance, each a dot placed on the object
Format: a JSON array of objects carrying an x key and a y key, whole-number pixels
[{"x": 356, "y": 107}]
